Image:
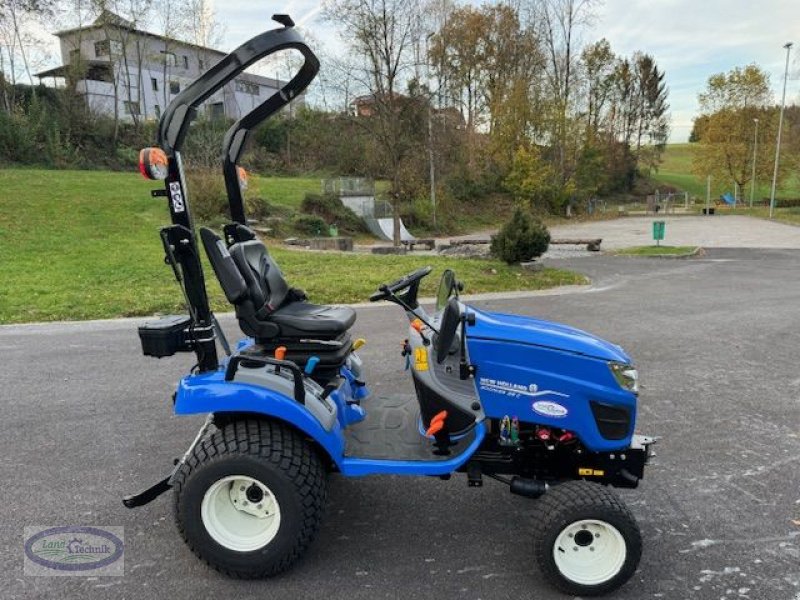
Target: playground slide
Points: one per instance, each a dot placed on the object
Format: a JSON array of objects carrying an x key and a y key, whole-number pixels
[{"x": 384, "y": 229}]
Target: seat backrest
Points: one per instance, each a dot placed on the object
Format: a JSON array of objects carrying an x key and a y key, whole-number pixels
[
  {"x": 231, "y": 280},
  {"x": 265, "y": 282}
]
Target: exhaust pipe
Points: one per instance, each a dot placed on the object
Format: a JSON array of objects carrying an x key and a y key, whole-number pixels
[{"x": 530, "y": 488}]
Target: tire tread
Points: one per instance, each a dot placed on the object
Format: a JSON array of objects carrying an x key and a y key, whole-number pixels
[
  {"x": 286, "y": 449},
  {"x": 570, "y": 498}
]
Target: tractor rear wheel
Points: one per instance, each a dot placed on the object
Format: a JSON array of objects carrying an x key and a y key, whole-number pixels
[
  {"x": 587, "y": 542},
  {"x": 249, "y": 499}
]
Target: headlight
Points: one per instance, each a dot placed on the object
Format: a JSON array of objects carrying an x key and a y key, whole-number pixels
[{"x": 626, "y": 375}]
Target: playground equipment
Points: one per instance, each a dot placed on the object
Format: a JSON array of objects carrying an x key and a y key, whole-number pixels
[{"x": 358, "y": 194}]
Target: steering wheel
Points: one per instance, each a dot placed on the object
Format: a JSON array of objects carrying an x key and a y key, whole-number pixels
[{"x": 386, "y": 290}]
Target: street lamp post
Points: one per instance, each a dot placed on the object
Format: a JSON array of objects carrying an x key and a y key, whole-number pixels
[
  {"x": 755, "y": 148},
  {"x": 788, "y": 47}
]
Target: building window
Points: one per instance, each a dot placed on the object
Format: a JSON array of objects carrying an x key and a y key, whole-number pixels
[
  {"x": 169, "y": 58},
  {"x": 217, "y": 111},
  {"x": 247, "y": 87},
  {"x": 107, "y": 48},
  {"x": 102, "y": 73},
  {"x": 154, "y": 83},
  {"x": 185, "y": 62},
  {"x": 174, "y": 87},
  {"x": 75, "y": 56},
  {"x": 202, "y": 64},
  {"x": 158, "y": 111},
  {"x": 132, "y": 108}
]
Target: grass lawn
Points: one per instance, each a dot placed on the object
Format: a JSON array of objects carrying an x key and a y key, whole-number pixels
[
  {"x": 285, "y": 191},
  {"x": 657, "y": 251},
  {"x": 676, "y": 170},
  {"x": 790, "y": 215},
  {"x": 84, "y": 244}
]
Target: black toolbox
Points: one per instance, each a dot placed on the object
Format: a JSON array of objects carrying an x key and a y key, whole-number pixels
[{"x": 166, "y": 336}]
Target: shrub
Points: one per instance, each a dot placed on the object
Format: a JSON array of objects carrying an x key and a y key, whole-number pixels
[
  {"x": 259, "y": 208},
  {"x": 310, "y": 225},
  {"x": 522, "y": 238},
  {"x": 207, "y": 195},
  {"x": 330, "y": 209}
]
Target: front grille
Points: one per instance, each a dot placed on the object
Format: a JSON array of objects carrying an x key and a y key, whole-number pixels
[{"x": 614, "y": 422}]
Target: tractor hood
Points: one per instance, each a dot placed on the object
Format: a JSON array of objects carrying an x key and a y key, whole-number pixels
[{"x": 527, "y": 330}]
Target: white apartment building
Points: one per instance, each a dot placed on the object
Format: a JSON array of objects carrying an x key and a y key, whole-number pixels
[{"x": 111, "y": 62}]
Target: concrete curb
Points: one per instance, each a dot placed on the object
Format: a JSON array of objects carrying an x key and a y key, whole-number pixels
[
  {"x": 699, "y": 251},
  {"x": 101, "y": 324}
]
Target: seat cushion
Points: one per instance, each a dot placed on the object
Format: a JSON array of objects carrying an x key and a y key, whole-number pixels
[{"x": 306, "y": 319}]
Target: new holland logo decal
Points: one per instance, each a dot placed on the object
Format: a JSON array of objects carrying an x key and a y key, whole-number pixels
[{"x": 545, "y": 408}]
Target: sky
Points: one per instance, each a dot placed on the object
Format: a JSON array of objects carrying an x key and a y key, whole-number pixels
[{"x": 690, "y": 39}]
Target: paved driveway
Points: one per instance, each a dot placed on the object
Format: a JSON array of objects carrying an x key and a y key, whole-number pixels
[
  {"x": 86, "y": 419},
  {"x": 717, "y": 231}
]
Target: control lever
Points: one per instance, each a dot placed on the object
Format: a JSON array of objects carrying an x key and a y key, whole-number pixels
[
  {"x": 311, "y": 365},
  {"x": 280, "y": 354}
]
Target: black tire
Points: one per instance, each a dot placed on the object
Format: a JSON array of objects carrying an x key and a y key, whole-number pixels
[
  {"x": 569, "y": 503},
  {"x": 277, "y": 456}
]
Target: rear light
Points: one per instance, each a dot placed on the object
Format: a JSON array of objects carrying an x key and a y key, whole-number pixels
[{"x": 153, "y": 164}]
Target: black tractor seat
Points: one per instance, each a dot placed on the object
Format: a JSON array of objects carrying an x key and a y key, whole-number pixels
[
  {"x": 298, "y": 319},
  {"x": 267, "y": 308}
]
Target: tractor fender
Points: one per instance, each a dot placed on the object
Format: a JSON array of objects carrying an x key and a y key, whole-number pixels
[{"x": 210, "y": 393}]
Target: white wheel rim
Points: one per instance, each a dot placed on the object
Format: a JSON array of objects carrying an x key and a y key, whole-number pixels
[
  {"x": 240, "y": 513},
  {"x": 589, "y": 552}
]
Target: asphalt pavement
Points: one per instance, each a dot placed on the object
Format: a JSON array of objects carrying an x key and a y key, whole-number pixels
[{"x": 87, "y": 419}]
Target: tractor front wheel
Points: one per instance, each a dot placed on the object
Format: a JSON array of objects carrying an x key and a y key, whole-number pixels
[
  {"x": 587, "y": 542},
  {"x": 249, "y": 499}
]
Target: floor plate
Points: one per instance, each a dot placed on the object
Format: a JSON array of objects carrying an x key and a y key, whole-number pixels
[{"x": 391, "y": 431}]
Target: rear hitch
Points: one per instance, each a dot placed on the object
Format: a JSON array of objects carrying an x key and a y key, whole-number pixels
[
  {"x": 154, "y": 491},
  {"x": 148, "y": 495}
]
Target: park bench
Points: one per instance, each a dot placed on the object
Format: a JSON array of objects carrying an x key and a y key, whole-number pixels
[{"x": 592, "y": 245}]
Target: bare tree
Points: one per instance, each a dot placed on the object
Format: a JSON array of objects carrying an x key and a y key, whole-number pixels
[
  {"x": 22, "y": 49},
  {"x": 381, "y": 35},
  {"x": 202, "y": 27},
  {"x": 559, "y": 24},
  {"x": 171, "y": 19}
]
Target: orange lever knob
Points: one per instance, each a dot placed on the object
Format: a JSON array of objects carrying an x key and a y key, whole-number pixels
[
  {"x": 440, "y": 416},
  {"x": 436, "y": 427},
  {"x": 280, "y": 353},
  {"x": 437, "y": 424}
]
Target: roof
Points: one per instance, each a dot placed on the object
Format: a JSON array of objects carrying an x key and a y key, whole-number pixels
[
  {"x": 108, "y": 18},
  {"x": 63, "y": 70},
  {"x": 372, "y": 99}
]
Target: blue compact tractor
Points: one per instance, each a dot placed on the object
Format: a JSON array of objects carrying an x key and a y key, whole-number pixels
[{"x": 543, "y": 408}]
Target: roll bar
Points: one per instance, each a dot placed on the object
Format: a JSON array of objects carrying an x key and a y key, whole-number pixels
[
  {"x": 179, "y": 239},
  {"x": 174, "y": 125},
  {"x": 236, "y": 137}
]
